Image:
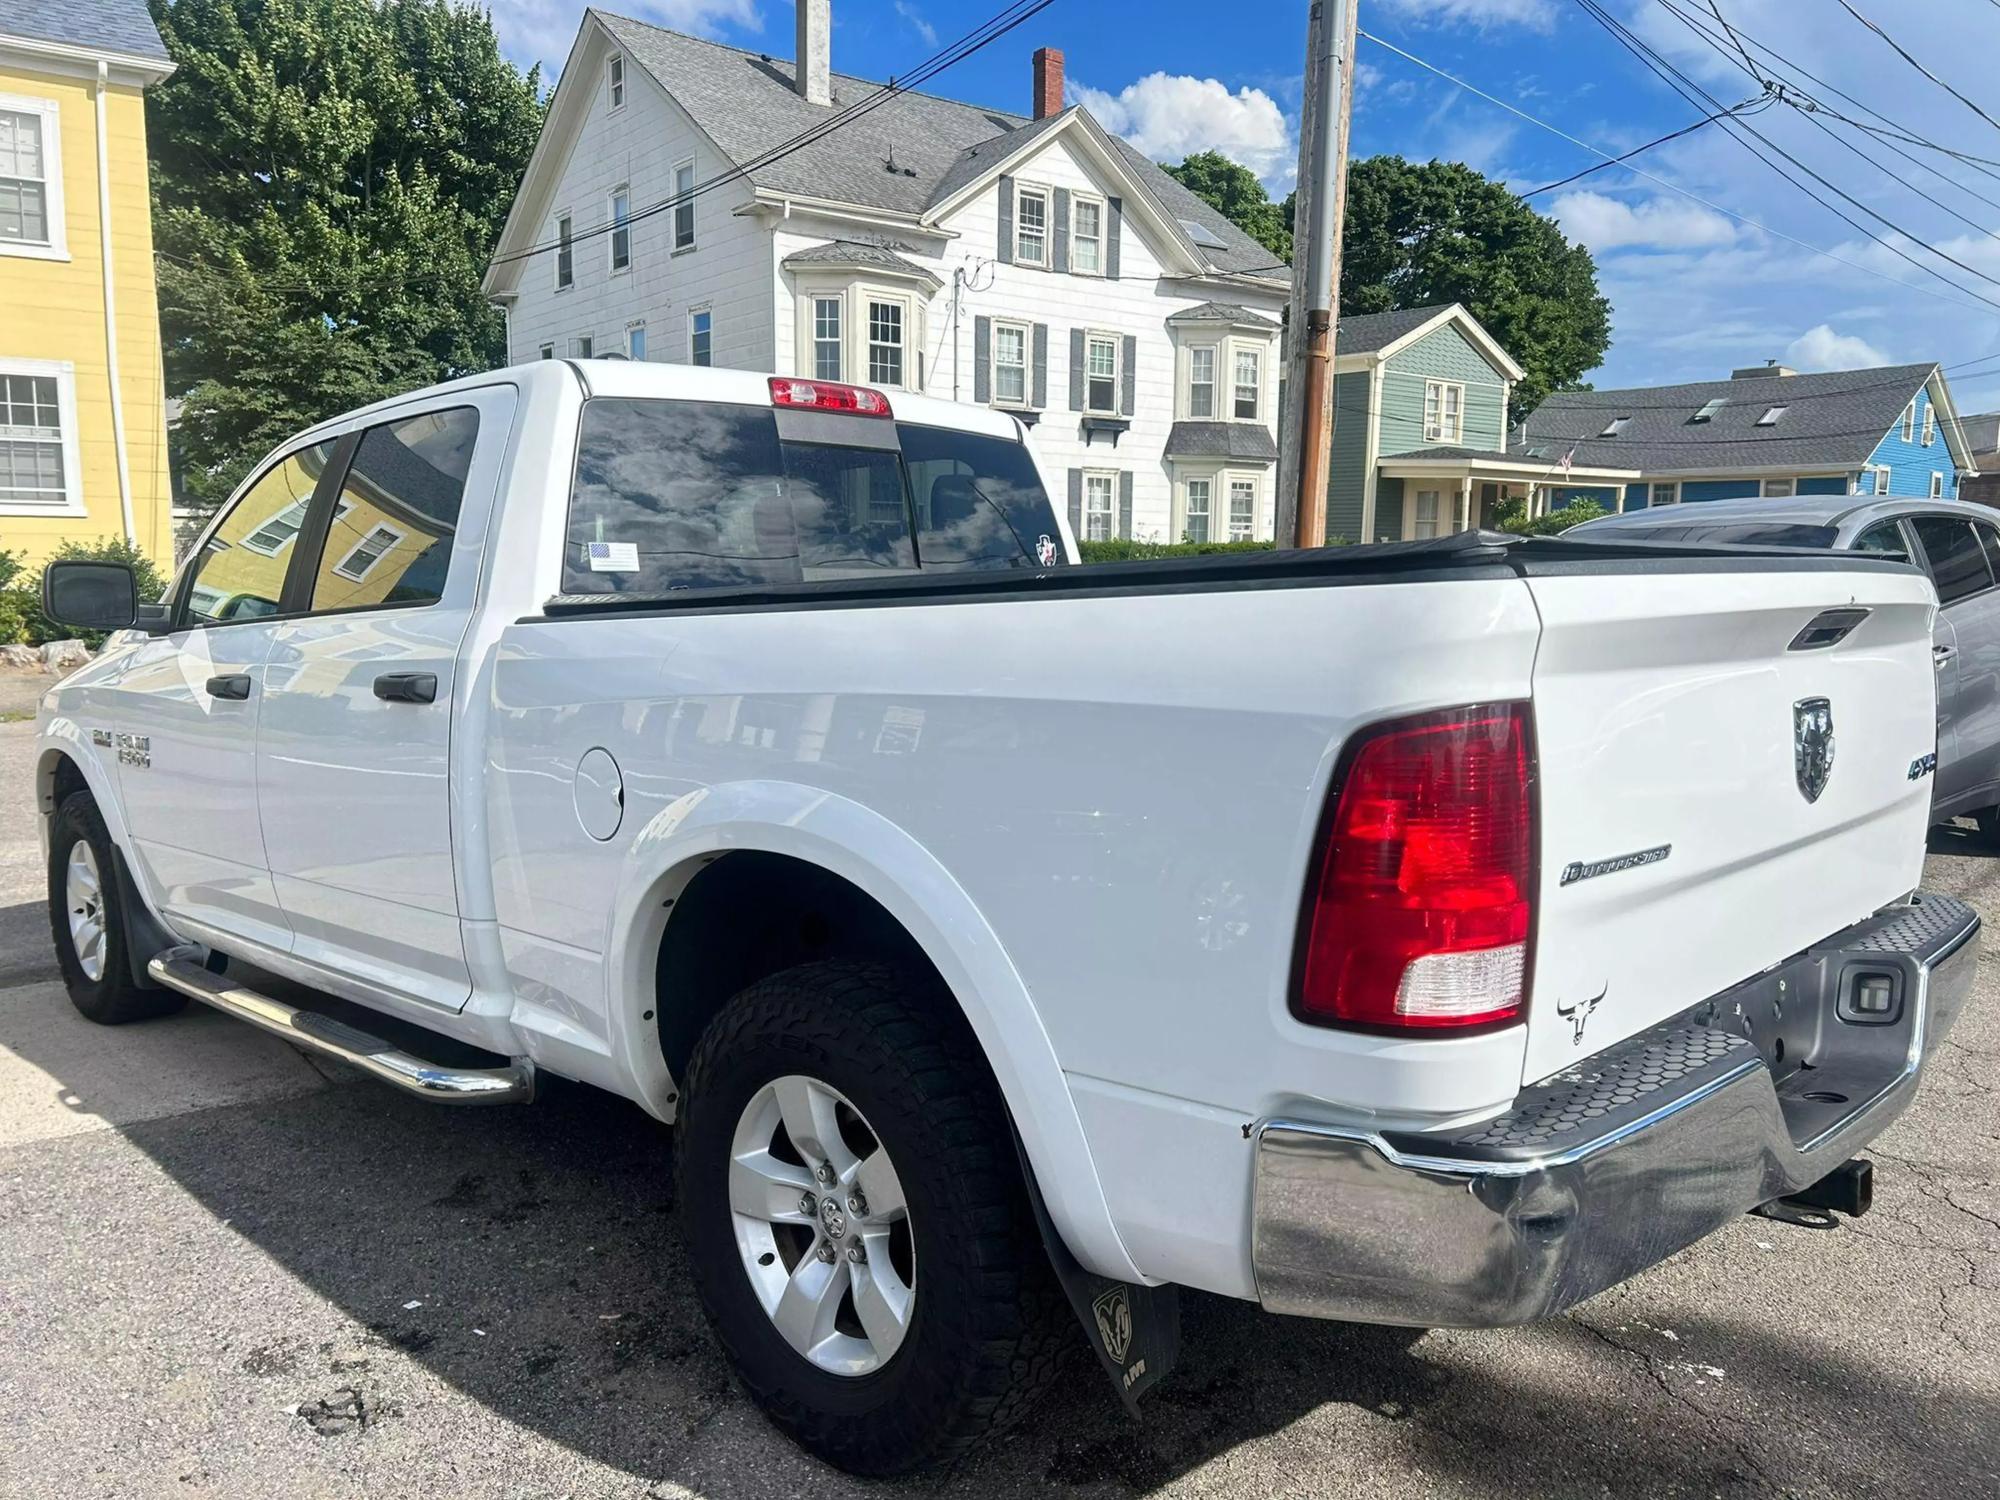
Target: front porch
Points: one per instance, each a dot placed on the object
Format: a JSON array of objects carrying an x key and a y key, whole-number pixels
[{"x": 1436, "y": 493}]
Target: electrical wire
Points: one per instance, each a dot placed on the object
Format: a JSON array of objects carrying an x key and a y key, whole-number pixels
[
  {"x": 1898, "y": 48},
  {"x": 1754, "y": 105}
]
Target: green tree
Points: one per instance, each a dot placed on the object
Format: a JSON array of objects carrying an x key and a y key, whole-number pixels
[
  {"x": 329, "y": 178},
  {"x": 1234, "y": 192}
]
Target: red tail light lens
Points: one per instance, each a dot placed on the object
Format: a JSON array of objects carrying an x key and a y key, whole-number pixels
[
  {"x": 825, "y": 395},
  {"x": 1419, "y": 916}
]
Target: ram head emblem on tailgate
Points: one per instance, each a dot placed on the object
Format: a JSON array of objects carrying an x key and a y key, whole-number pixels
[{"x": 1812, "y": 745}]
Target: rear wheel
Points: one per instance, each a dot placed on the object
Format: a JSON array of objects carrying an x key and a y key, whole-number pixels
[
  {"x": 857, "y": 1223},
  {"x": 87, "y": 921}
]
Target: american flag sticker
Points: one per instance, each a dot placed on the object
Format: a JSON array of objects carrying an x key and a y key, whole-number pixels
[{"x": 612, "y": 557}]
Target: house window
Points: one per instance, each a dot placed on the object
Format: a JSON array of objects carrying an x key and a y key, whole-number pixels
[
  {"x": 1665, "y": 494},
  {"x": 684, "y": 206},
  {"x": 1031, "y": 227},
  {"x": 1444, "y": 411},
  {"x": 1201, "y": 382},
  {"x": 29, "y": 198},
  {"x": 1194, "y": 525},
  {"x": 1777, "y": 489},
  {"x": 1249, "y": 376},
  {"x": 1086, "y": 239},
  {"x": 621, "y": 229},
  {"x": 1100, "y": 507},
  {"x": 826, "y": 338},
  {"x": 583, "y": 347},
  {"x": 1930, "y": 425},
  {"x": 701, "y": 336},
  {"x": 1709, "y": 409},
  {"x": 1010, "y": 364},
  {"x": 276, "y": 534},
  {"x": 635, "y": 342},
  {"x": 1937, "y": 485},
  {"x": 548, "y": 351},
  {"x": 617, "y": 73},
  {"x": 35, "y": 468},
  {"x": 1425, "y": 524},
  {"x": 1100, "y": 370},
  {"x": 367, "y": 552},
  {"x": 1242, "y": 510},
  {"x": 886, "y": 334},
  {"x": 565, "y": 254},
  {"x": 1771, "y": 416}
]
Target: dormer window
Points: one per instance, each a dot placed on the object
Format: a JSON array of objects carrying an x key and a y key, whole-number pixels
[
  {"x": 1709, "y": 409},
  {"x": 1771, "y": 416},
  {"x": 1615, "y": 426},
  {"x": 616, "y": 73}
]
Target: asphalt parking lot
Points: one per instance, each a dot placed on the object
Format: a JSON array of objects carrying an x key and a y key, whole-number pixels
[{"x": 225, "y": 1271}]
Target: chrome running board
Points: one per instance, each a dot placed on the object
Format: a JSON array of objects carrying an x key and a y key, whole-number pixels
[{"x": 513, "y": 1084}]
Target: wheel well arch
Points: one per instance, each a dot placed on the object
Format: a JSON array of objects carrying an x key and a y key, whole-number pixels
[{"x": 55, "y": 779}]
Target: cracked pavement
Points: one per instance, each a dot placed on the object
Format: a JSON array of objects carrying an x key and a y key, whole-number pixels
[{"x": 227, "y": 1272}]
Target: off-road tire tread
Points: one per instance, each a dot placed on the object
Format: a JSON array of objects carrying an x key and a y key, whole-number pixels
[
  {"x": 114, "y": 1000},
  {"x": 1011, "y": 1329}
]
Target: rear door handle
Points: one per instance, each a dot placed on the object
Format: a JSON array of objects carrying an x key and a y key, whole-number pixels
[
  {"x": 234, "y": 685},
  {"x": 407, "y": 687}
]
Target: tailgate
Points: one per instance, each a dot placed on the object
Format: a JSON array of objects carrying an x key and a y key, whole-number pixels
[{"x": 1679, "y": 853}]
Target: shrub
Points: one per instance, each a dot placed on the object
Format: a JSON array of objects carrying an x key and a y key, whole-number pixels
[
  {"x": 1127, "y": 551},
  {"x": 22, "y": 622},
  {"x": 1512, "y": 516}
]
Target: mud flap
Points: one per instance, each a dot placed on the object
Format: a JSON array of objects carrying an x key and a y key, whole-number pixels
[{"x": 1135, "y": 1331}]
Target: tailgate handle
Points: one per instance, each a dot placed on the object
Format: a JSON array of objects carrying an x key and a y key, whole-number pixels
[{"x": 1828, "y": 628}]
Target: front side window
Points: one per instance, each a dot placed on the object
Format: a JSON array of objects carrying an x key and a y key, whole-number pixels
[
  {"x": 1444, "y": 403},
  {"x": 1100, "y": 364},
  {"x": 1086, "y": 247},
  {"x": 1242, "y": 510},
  {"x": 1665, "y": 494},
  {"x": 390, "y": 541},
  {"x": 1249, "y": 373},
  {"x": 565, "y": 254},
  {"x": 1195, "y": 528},
  {"x": 1100, "y": 507},
  {"x": 826, "y": 338},
  {"x": 1031, "y": 227},
  {"x": 684, "y": 206},
  {"x": 1953, "y": 556},
  {"x": 1201, "y": 383},
  {"x": 32, "y": 470},
  {"x": 25, "y": 167},
  {"x": 701, "y": 337},
  {"x": 236, "y": 580},
  {"x": 1010, "y": 364},
  {"x": 621, "y": 229},
  {"x": 885, "y": 342}
]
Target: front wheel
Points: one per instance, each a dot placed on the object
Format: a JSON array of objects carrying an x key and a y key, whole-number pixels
[
  {"x": 87, "y": 921},
  {"x": 856, "y": 1220}
]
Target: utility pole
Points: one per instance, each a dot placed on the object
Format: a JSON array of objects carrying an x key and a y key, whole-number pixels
[{"x": 1314, "y": 310}]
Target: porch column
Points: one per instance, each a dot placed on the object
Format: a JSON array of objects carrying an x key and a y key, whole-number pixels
[{"x": 1465, "y": 503}]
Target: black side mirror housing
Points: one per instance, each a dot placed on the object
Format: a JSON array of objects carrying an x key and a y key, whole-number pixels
[{"x": 92, "y": 595}]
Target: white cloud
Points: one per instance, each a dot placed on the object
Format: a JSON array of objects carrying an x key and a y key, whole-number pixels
[
  {"x": 1538, "y": 15},
  {"x": 926, "y": 32},
  {"x": 1605, "y": 223},
  {"x": 1820, "y": 348},
  {"x": 542, "y": 30},
  {"x": 1170, "y": 116}
]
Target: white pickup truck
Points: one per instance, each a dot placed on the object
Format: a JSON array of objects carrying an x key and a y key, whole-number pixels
[{"x": 1432, "y": 934}]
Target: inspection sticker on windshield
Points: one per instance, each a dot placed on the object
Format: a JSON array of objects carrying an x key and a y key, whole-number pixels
[{"x": 614, "y": 557}]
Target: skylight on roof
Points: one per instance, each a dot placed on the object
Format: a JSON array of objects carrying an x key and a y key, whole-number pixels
[
  {"x": 1770, "y": 417},
  {"x": 1201, "y": 234},
  {"x": 1615, "y": 426},
  {"x": 1709, "y": 409}
]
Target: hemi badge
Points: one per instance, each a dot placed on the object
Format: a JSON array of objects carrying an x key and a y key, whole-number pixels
[{"x": 1590, "y": 870}]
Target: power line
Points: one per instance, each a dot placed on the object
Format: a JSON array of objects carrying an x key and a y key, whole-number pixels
[
  {"x": 1760, "y": 103},
  {"x": 1898, "y": 49}
]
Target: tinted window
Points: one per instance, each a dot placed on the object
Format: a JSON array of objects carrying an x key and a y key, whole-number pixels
[
  {"x": 397, "y": 512},
  {"x": 240, "y": 572},
  {"x": 1885, "y": 538},
  {"x": 848, "y": 509},
  {"x": 1957, "y": 562},
  {"x": 980, "y": 503},
  {"x": 1989, "y": 541}
]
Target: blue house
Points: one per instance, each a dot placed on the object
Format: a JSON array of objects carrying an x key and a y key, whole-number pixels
[{"x": 1764, "y": 431}]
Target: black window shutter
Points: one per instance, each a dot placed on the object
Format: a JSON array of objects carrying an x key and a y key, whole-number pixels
[
  {"x": 982, "y": 360},
  {"x": 1076, "y": 503},
  {"x": 1006, "y": 221},
  {"x": 1038, "y": 395},
  {"x": 1060, "y": 260},
  {"x": 1127, "y": 398},
  {"x": 1114, "y": 213},
  {"x": 1125, "y": 505},
  {"x": 1076, "y": 369}
]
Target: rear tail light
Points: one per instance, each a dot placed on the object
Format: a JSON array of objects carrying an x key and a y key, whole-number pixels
[
  {"x": 1419, "y": 914},
  {"x": 825, "y": 395}
]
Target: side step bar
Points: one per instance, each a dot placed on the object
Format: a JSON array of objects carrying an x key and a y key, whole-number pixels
[{"x": 514, "y": 1084}]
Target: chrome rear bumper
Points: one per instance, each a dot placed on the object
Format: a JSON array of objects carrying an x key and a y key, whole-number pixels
[{"x": 1611, "y": 1166}]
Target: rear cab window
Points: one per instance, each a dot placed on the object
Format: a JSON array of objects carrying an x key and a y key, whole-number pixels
[{"x": 677, "y": 495}]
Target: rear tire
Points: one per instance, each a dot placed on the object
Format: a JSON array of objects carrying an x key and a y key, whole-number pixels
[
  {"x": 87, "y": 921},
  {"x": 984, "y": 1325}
]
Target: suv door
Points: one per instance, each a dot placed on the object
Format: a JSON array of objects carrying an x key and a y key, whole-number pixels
[
  {"x": 354, "y": 744},
  {"x": 191, "y": 699},
  {"x": 1969, "y": 678}
]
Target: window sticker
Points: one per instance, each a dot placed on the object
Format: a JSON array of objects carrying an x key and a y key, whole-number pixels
[{"x": 614, "y": 557}]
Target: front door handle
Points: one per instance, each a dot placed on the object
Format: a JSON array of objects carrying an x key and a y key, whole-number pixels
[
  {"x": 234, "y": 685},
  {"x": 407, "y": 687}
]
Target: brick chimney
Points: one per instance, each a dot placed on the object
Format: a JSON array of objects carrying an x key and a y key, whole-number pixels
[
  {"x": 1048, "y": 82},
  {"x": 812, "y": 72}
]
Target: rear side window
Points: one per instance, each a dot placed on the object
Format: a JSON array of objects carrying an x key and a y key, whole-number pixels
[
  {"x": 396, "y": 513},
  {"x": 1885, "y": 539},
  {"x": 1956, "y": 560}
]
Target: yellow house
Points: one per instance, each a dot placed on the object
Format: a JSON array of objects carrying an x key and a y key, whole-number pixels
[{"x": 83, "y": 442}]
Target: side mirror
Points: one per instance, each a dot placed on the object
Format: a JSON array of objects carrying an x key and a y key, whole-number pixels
[{"x": 91, "y": 595}]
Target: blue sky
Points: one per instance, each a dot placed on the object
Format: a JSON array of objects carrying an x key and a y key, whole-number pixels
[{"x": 1694, "y": 290}]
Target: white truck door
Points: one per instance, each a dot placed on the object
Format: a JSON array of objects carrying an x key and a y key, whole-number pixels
[
  {"x": 187, "y": 710},
  {"x": 354, "y": 744}
]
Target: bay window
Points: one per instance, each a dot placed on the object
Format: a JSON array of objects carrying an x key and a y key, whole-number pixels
[
  {"x": 826, "y": 350},
  {"x": 1201, "y": 383},
  {"x": 885, "y": 341},
  {"x": 1249, "y": 376},
  {"x": 1195, "y": 523},
  {"x": 1242, "y": 510}
]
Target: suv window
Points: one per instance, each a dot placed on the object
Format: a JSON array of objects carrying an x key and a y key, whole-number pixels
[
  {"x": 239, "y": 573},
  {"x": 1957, "y": 562},
  {"x": 1884, "y": 538},
  {"x": 396, "y": 513}
]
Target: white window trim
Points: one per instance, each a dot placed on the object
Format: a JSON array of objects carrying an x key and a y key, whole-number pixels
[
  {"x": 1653, "y": 489},
  {"x": 1103, "y": 232},
  {"x": 1231, "y": 479},
  {"x": 1214, "y": 383},
  {"x": 64, "y": 373},
  {"x": 1259, "y": 349},
  {"x": 1439, "y": 434},
  {"x": 913, "y": 335},
  {"x": 1910, "y": 422},
  {"x": 1181, "y": 484},
  {"x": 693, "y": 312},
  {"x": 638, "y": 326},
  {"x": 396, "y": 536},
  {"x": 805, "y": 320},
  {"x": 611, "y": 231},
  {"x": 1930, "y": 426},
  {"x": 555, "y": 258},
  {"x": 694, "y": 222},
  {"x": 617, "y": 83},
  {"x": 1447, "y": 515},
  {"x": 1117, "y": 341},
  {"x": 579, "y": 338},
  {"x": 57, "y": 248},
  {"x": 1027, "y": 332},
  {"x": 1937, "y": 484},
  {"x": 1110, "y": 477},
  {"x": 1881, "y": 476},
  {"x": 1048, "y": 199},
  {"x": 1770, "y": 490}
]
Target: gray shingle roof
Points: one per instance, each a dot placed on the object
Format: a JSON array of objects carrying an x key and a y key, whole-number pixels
[
  {"x": 1982, "y": 433},
  {"x": 1832, "y": 420},
  {"x": 1240, "y": 440},
  {"x": 880, "y": 254},
  {"x": 1364, "y": 333},
  {"x": 1422, "y": 455},
  {"x": 1222, "y": 312},
  {"x": 115, "y": 25},
  {"x": 904, "y": 155}
]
